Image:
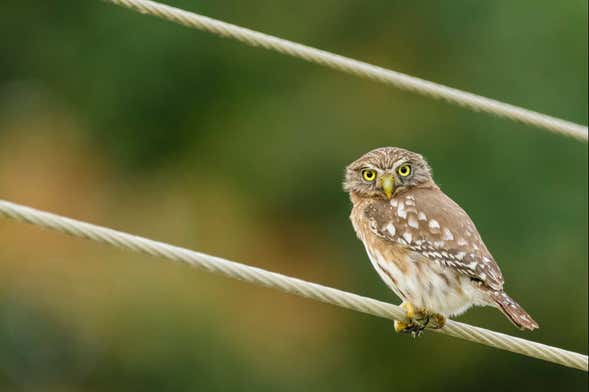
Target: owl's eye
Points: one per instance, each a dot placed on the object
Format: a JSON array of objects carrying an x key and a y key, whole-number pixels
[
  {"x": 404, "y": 170},
  {"x": 368, "y": 175}
]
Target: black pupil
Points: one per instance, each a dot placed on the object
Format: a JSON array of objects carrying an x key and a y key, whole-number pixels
[
  {"x": 369, "y": 174},
  {"x": 404, "y": 170}
]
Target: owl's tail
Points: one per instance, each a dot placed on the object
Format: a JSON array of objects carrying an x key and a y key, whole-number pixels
[{"x": 514, "y": 312}]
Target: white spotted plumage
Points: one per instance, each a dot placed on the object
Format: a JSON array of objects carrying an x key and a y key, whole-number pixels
[{"x": 421, "y": 243}]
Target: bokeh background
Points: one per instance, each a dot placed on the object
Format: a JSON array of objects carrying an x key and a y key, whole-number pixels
[{"x": 142, "y": 125}]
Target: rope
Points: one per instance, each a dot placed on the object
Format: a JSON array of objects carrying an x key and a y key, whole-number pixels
[
  {"x": 358, "y": 68},
  {"x": 283, "y": 283}
]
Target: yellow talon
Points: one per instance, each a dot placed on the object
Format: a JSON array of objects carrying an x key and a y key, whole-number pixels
[
  {"x": 410, "y": 327},
  {"x": 400, "y": 326},
  {"x": 418, "y": 320},
  {"x": 409, "y": 309}
]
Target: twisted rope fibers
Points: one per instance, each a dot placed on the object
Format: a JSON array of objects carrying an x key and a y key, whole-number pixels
[
  {"x": 358, "y": 68},
  {"x": 283, "y": 283}
]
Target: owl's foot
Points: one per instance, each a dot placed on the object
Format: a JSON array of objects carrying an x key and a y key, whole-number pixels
[
  {"x": 436, "y": 321},
  {"x": 413, "y": 328},
  {"x": 418, "y": 320}
]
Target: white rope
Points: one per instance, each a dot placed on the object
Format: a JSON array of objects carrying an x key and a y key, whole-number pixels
[
  {"x": 358, "y": 68},
  {"x": 283, "y": 283}
]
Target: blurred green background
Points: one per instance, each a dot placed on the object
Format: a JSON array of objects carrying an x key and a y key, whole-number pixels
[{"x": 142, "y": 125}]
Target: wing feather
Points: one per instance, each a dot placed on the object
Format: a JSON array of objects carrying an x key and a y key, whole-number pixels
[{"x": 429, "y": 223}]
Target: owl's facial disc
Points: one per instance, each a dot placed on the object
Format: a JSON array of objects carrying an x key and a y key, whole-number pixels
[
  {"x": 387, "y": 183},
  {"x": 385, "y": 172}
]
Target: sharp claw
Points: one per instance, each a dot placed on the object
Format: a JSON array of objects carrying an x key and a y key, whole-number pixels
[
  {"x": 438, "y": 321},
  {"x": 418, "y": 320}
]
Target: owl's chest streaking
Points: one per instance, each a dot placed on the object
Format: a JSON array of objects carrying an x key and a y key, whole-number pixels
[{"x": 412, "y": 275}]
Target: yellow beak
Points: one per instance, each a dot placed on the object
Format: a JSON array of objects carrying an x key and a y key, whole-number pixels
[{"x": 388, "y": 185}]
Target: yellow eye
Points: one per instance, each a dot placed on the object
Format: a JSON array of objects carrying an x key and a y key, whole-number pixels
[
  {"x": 368, "y": 175},
  {"x": 404, "y": 170}
]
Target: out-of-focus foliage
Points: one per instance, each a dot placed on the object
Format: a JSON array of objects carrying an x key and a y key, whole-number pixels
[{"x": 139, "y": 124}]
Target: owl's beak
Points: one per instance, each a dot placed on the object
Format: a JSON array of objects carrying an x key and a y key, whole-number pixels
[{"x": 388, "y": 185}]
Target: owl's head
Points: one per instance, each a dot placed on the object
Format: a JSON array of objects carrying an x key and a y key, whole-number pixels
[{"x": 387, "y": 171}]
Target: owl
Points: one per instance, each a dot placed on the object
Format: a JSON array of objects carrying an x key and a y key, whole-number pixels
[{"x": 421, "y": 243}]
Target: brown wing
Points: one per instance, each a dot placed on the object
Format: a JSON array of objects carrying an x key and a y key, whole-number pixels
[{"x": 431, "y": 224}]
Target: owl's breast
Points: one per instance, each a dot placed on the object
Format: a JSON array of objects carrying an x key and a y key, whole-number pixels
[{"x": 413, "y": 277}]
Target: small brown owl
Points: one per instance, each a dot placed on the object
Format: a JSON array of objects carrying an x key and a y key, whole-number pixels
[{"x": 421, "y": 243}]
